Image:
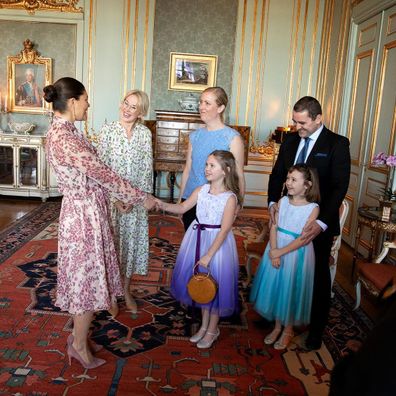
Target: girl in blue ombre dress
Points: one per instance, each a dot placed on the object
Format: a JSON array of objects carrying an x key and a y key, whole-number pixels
[{"x": 283, "y": 285}]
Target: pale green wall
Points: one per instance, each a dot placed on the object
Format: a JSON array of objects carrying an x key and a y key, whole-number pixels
[
  {"x": 200, "y": 27},
  {"x": 276, "y": 61},
  {"x": 52, "y": 40},
  {"x": 117, "y": 54}
]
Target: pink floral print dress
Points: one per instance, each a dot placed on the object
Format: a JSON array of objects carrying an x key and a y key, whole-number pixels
[{"x": 88, "y": 271}]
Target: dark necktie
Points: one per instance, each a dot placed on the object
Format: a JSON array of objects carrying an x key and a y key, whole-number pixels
[{"x": 303, "y": 152}]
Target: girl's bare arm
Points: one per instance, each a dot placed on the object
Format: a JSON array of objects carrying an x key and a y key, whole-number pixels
[{"x": 182, "y": 207}]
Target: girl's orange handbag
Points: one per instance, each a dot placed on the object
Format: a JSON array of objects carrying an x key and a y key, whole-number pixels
[{"x": 202, "y": 287}]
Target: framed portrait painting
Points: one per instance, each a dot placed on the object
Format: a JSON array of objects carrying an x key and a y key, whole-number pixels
[
  {"x": 192, "y": 72},
  {"x": 28, "y": 73}
]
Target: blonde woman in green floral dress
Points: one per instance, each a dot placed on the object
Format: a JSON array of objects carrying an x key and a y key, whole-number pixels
[{"x": 126, "y": 146}]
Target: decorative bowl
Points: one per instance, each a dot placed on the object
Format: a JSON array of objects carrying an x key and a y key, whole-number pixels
[
  {"x": 21, "y": 127},
  {"x": 189, "y": 103}
]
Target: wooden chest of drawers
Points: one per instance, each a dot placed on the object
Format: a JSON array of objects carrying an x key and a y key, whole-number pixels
[
  {"x": 170, "y": 133},
  {"x": 171, "y": 139}
]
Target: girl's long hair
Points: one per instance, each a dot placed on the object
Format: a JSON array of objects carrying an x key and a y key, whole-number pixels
[
  {"x": 311, "y": 180},
  {"x": 231, "y": 180}
]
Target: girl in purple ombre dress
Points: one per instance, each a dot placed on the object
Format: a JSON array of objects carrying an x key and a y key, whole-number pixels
[{"x": 216, "y": 205}]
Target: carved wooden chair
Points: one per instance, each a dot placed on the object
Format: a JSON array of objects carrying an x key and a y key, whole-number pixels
[
  {"x": 344, "y": 209},
  {"x": 378, "y": 278}
]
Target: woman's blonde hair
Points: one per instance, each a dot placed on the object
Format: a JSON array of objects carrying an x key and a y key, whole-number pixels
[
  {"x": 231, "y": 179},
  {"x": 143, "y": 102},
  {"x": 221, "y": 98}
]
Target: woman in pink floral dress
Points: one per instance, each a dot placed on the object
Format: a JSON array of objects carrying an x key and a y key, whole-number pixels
[{"x": 88, "y": 272}]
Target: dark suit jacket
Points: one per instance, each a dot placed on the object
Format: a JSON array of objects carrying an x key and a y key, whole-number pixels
[{"x": 331, "y": 158}]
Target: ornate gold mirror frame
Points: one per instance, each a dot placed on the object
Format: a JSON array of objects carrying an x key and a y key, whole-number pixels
[{"x": 31, "y": 6}]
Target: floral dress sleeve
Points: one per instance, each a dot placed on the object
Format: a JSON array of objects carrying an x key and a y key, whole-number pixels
[
  {"x": 146, "y": 161},
  {"x": 104, "y": 144},
  {"x": 72, "y": 151}
]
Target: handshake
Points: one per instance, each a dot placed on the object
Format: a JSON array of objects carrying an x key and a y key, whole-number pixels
[{"x": 151, "y": 203}]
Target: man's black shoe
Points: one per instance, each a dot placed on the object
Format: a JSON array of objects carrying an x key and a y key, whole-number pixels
[{"x": 313, "y": 343}]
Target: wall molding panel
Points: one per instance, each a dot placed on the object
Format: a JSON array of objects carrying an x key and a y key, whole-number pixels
[
  {"x": 270, "y": 53},
  {"x": 117, "y": 59}
]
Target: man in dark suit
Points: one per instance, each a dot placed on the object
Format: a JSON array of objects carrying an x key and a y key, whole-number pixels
[{"x": 329, "y": 154}]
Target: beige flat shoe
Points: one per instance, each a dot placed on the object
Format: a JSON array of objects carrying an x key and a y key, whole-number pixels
[
  {"x": 284, "y": 340},
  {"x": 207, "y": 344},
  {"x": 114, "y": 310},
  {"x": 273, "y": 336},
  {"x": 131, "y": 306},
  {"x": 198, "y": 335}
]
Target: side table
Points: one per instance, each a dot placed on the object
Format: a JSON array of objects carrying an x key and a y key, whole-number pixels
[{"x": 372, "y": 217}]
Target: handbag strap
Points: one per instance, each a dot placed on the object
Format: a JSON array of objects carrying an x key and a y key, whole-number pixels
[
  {"x": 195, "y": 270},
  {"x": 199, "y": 228}
]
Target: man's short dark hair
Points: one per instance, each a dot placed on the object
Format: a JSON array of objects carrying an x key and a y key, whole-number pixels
[{"x": 310, "y": 104}]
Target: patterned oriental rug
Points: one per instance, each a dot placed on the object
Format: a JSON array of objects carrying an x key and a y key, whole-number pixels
[{"x": 148, "y": 353}]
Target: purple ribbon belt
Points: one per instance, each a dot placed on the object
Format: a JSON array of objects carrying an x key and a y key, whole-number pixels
[{"x": 201, "y": 227}]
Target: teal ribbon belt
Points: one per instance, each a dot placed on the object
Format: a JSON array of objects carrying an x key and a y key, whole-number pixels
[{"x": 300, "y": 253}]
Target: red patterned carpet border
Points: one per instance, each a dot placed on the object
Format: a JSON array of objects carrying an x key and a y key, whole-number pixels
[
  {"x": 149, "y": 353},
  {"x": 24, "y": 229}
]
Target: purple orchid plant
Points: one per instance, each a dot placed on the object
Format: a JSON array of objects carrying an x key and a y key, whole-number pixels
[{"x": 388, "y": 160}]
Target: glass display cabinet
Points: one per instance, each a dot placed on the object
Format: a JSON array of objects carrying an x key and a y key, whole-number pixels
[{"x": 23, "y": 168}]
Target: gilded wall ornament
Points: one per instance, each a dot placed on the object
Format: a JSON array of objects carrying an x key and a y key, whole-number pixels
[{"x": 31, "y": 6}]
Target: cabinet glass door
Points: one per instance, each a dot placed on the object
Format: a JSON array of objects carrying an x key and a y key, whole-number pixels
[
  {"x": 7, "y": 165},
  {"x": 28, "y": 166}
]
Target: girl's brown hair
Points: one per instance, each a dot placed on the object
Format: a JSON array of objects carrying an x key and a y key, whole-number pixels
[
  {"x": 231, "y": 180},
  {"x": 311, "y": 180}
]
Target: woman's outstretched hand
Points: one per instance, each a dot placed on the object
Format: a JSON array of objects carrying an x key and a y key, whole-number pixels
[
  {"x": 160, "y": 205},
  {"x": 150, "y": 202}
]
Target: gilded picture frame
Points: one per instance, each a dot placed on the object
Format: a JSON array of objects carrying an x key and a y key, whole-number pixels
[
  {"x": 192, "y": 72},
  {"x": 27, "y": 75}
]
